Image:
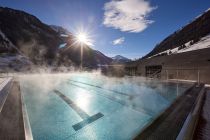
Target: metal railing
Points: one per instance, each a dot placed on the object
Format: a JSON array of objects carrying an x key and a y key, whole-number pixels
[
  {"x": 155, "y": 74},
  {"x": 199, "y": 74}
]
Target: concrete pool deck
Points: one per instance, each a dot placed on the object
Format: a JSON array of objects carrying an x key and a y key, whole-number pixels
[
  {"x": 11, "y": 119},
  {"x": 169, "y": 123},
  {"x": 202, "y": 131}
]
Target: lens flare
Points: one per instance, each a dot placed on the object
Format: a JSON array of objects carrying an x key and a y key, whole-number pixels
[{"x": 84, "y": 38}]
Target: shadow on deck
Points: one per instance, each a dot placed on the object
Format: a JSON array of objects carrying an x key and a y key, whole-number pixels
[{"x": 168, "y": 125}]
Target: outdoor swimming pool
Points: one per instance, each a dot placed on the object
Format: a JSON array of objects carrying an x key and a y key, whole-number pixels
[{"x": 92, "y": 106}]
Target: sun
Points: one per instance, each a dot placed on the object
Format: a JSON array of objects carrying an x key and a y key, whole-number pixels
[{"x": 84, "y": 38}]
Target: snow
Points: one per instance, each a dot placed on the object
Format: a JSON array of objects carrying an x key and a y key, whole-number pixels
[
  {"x": 62, "y": 45},
  {"x": 36, "y": 28},
  {"x": 14, "y": 62},
  {"x": 99, "y": 53},
  {"x": 9, "y": 44},
  {"x": 118, "y": 57},
  {"x": 202, "y": 14},
  {"x": 202, "y": 44},
  {"x": 12, "y": 59},
  {"x": 188, "y": 43},
  {"x": 174, "y": 50},
  {"x": 64, "y": 35},
  {"x": 4, "y": 37},
  {"x": 167, "y": 51},
  {"x": 8, "y": 59},
  {"x": 207, "y": 10}
]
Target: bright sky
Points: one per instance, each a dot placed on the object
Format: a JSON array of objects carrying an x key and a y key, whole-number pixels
[{"x": 128, "y": 27}]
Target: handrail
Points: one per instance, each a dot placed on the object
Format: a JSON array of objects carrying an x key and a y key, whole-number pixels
[
  {"x": 154, "y": 74},
  {"x": 189, "y": 126}
]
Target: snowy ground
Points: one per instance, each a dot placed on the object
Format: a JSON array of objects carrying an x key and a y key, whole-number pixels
[
  {"x": 13, "y": 62},
  {"x": 201, "y": 44}
]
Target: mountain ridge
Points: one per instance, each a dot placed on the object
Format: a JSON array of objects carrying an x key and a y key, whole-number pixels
[
  {"x": 40, "y": 42},
  {"x": 120, "y": 59},
  {"x": 191, "y": 32}
]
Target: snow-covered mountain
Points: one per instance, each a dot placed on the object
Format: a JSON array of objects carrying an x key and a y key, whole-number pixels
[
  {"x": 186, "y": 38},
  {"x": 203, "y": 43},
  {"x": 15, "y": 62},
  {"x": 120, "y": 59},
  {"x": 41, "y": 43},
  {"x": 26, "y": 34},
  {"x": 62, "y": 31}
]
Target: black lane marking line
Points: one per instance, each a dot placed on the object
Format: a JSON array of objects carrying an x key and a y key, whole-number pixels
[
  {"x": 87, "y": 121},
  {"x": 112, "y": 98},
  {"x": 79, "y": 111},
  {"x": 86, "y": 118},
  {"x": 120, "y": 93}
]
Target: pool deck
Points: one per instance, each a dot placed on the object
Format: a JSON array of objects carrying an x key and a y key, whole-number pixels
[
  {"x": 202, "y": 131},
  {"x": 168, "y": 125},
  {"x": 11, "y": 119}
]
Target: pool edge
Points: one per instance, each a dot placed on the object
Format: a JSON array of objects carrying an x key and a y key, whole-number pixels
[{"x": 26, "y": 123}]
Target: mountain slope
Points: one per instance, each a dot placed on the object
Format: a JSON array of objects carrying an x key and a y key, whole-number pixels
[
  {"x": 70, "y": 53},
  {"x": 32, "y": 37},
  {"x": 120, "y": 59},
  {"x": 191, "y": 33},
  {"x": 24, "y": 34},
  {"x": 90, "y": 59},
  {"x": 60, "y": 30}
]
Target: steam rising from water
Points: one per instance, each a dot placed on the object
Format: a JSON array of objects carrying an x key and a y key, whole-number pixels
[
  {"x": 138, "y": 100},
  {"x": 132, "y": 91}
]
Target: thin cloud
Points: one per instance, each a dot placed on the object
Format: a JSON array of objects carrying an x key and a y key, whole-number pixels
[
  {"x": 128, "y": 15},
  {"x": 118, "y": 41}
]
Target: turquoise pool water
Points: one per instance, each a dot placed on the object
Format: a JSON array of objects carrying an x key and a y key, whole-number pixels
[{"x": 92, "y": 106}]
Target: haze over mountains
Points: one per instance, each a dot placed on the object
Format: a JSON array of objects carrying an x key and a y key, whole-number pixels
[
  {"x": 25, "y": 35},
  {"x": 28, "y": 34}
]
